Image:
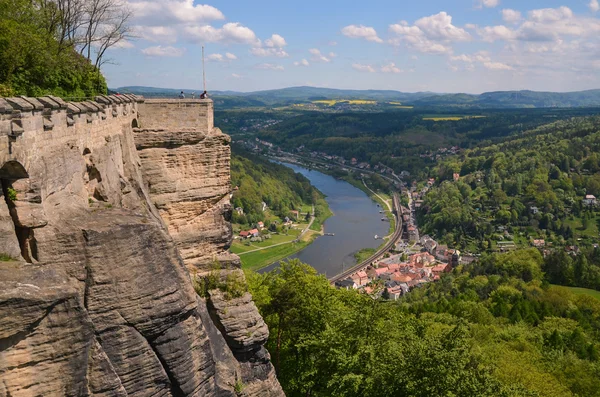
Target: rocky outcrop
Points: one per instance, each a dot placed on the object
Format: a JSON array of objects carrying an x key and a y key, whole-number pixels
[{"x": 95, "y": 298}]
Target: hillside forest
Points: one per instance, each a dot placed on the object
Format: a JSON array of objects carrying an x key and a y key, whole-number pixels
[
  {"x": 257, "y": 180},
  {"x": 58, "y": 47}
]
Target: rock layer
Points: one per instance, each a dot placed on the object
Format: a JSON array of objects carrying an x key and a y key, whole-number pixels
[{"x": 95, "y": 299}]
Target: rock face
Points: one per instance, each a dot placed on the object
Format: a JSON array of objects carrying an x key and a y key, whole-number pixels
[{"x": 95, "y": 298}]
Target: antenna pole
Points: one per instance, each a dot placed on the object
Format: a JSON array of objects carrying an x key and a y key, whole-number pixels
[{"x": 203, "y": 70}]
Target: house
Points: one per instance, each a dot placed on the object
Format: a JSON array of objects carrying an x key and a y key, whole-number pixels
[
  {"x": 346, "y": 284},
  {"x": 590, "y": 200},
  {"x": 456, "y": 176},
  {"x": 394, "y": 293},
  {"x": 239, "y": 210},
  {"x": 254, "y": 233},
  {"x": 260, "y": 225},
  {"x": 295, "y": 213},
  {"x": 421, "y": 260},
  {"x": 441, "y": 268},
  {"x": 402, "y": 278},
  {"x": 413, "y": 233},
  {"x": 539, "y": 243},
  {"x": 360, "y": 278},
  {"x": 534, "y": 210},
  {"x": 393, "y": 268},
  {"x": 429, "y": 244},
  {"x": 264, "y": 206},
  {"x": 244, "y": 234},
  {"x": 377, "y": 273},
  {"x": 441, "y": 253}
]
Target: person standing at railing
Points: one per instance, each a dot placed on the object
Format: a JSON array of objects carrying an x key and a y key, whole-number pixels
[{"x": 181, "y": 95}]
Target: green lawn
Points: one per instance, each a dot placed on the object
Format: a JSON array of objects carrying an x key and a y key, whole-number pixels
[
  {"x": 583, "y": 291},
  {"x": 364, "y": 254},
  {"x": 576, "y": 225},
  {"x": 259, "y": 259}
]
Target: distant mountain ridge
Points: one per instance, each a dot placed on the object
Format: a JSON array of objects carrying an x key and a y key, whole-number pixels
[{"x": 286, "y": 96}]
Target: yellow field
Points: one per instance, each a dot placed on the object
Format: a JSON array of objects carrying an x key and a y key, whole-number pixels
[
  {"x": 404, "y": 107},
  {"x": 452, "y": 118},
  {"x": 395, "y": 103},
  {"x": 333, "y": 102}
]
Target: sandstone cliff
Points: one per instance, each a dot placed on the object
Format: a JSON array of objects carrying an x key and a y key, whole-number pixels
[{"x": 103, "y": 205}]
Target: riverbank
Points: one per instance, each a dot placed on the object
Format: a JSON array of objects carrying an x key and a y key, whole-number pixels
[{"x": 255, "y": 256}]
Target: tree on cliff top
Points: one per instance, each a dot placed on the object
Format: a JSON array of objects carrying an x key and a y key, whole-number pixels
[{"x": 58, "y": 46}]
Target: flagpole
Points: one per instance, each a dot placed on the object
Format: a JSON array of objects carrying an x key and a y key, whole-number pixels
[{"x": 203, "y": 70}]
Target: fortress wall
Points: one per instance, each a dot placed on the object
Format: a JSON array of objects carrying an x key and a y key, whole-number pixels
[{"x": 180, "y": 114}]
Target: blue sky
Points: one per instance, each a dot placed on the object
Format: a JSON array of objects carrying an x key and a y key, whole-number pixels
[{"x": 430, "y": 45}]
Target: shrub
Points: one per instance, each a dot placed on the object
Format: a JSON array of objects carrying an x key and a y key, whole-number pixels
[{"x": 12, "y": 194}]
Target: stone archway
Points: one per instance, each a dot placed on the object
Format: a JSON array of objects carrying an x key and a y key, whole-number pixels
[
  {"x": 135, "y": 123},
  {"x": 13, "y": 170},
  {"x": 16, "y": 242}
]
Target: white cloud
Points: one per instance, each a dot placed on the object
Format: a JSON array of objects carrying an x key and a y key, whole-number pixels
[
  {"x": 547, "y": 24},
  {"x": 221, "y": 58},
  {"x": 439, "y": 27},
  {"x": 160, "y": 51},
  {"x": 391, "y": 68},
  {"x": 550, "y": 14},
  {"x": 124, "y": 44},
  {"x": 216, "y": 58},
  {"x": 303, "y": 62},
  {"x": 433, "y": 34},
  {"x": 500, "y": 32},
  {"x": 269, "y": 66},
  {"x": 363, "y": 68},
  {"x": 272, "y": 47},
  {"x": 594, "y": 5},
  {"x": 172, "y": 12},
  {"x": 488, "y": 3},
  {"x": 497, "y": 66},
  {"x": 317, "y": 56},
  {"x": 480, "y": 56},
  {"x": 236, "y": 76},
  {"x": 232, "y": 32},
  {"x": 269, "y": 52},
  {"x": 511, "y": 16},
  {"x": 276, "y": 41},
  {"x": 158, "y": 34},
  {"x": 470, "y": 26},
  {"x": 361, "y": 32}
]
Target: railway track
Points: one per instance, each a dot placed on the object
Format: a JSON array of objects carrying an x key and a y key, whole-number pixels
[{"x": 393, "y": 240}]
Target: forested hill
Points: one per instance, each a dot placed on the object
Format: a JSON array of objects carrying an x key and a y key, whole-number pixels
[
  {"x": 258, "y": 180},
  {"x": 38, "y": 54},
  {"x": 294, "y": 95},
  {"x": 539, "y": 189}
]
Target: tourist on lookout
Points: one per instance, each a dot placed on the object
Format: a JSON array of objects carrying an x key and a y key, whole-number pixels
[{"x": 181, "y": 95}]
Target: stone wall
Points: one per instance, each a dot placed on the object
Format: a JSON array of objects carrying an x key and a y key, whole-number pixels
[{"x": 96, "y": 300}]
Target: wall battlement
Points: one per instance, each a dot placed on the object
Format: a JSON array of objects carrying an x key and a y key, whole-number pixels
[{"x": 25, "y": 122}]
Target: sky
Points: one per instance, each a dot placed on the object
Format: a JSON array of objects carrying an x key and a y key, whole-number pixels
[{"x": 470, "y": 46}]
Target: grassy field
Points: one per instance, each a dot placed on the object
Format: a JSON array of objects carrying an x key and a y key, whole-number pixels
[
  {"x": 577, "y": 225},
  {"x": 364, "y": 254},
  {"x": 333, "y": 102},
  {"x": 450, "y": 118},
  {"x": 259, "y": 259},
  {"x": 582, "y": 291}
]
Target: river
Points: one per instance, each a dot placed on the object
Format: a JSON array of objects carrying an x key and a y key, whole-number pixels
[{"x": 355, "y": 222}]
